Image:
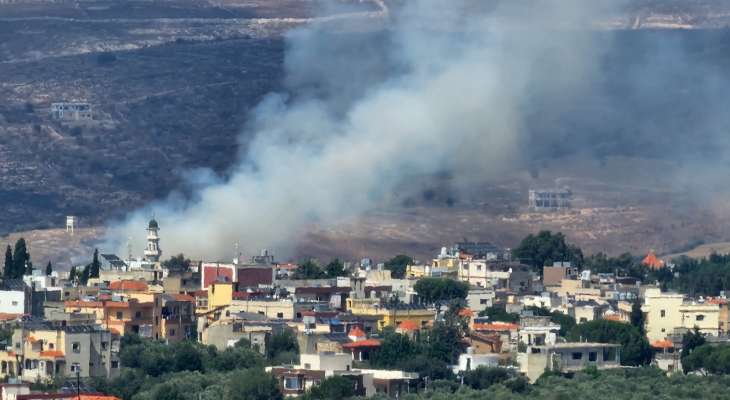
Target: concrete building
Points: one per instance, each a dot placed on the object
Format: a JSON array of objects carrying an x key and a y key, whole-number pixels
[
  {"x": 549, "y": 199},
  {"x": 668, "y": 314},
  {"x": 554, "y": 275},
  {"x": 15, "y": 297},
  {"x": 71, "y": 111},
  {"x": 44, "y": 350},
  {"x": 479, "y": 299},
  {"x": 567, "y": 357},
  {"x": 498, "y": 275}
]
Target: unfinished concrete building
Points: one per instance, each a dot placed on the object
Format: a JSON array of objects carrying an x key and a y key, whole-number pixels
[
  {"x": 71, "y": 111},
  {"x": 550, "y": 199}
]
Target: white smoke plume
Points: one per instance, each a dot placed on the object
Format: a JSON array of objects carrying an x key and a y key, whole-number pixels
[{"x": 448, "y": 95}]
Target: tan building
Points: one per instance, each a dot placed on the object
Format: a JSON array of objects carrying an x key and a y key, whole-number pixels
[
  {"x": 567, "y": 357},
  {"x": 42, "y": 351},
  {"x": 670, "y": 313}
]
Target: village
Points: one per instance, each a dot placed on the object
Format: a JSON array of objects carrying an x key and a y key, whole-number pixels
[{"x": 484, "y": 307}]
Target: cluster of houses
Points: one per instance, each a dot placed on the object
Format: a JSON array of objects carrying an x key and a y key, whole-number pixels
[{"x": 62, "y": 328}]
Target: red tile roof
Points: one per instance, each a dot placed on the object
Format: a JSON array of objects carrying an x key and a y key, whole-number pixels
[
  {"x": 466, "y": 312},
  {"x": 496, "y": 326},
  {"x": 52, "y": 353},
  {"x": 357, "y": 332},
  {"x": 129, "y": 285},
  {"x": 662, "y": 344},
  {"x": 408, "y": 325},
  {"x": 652, "y": 261},
  {"x": 362, "y": 343},
  {"x": 83, "y": 304},
  {"x": 183, "y": 297}
]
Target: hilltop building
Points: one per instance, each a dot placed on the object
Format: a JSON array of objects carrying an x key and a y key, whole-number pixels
[{"x": 550, "y": 199}]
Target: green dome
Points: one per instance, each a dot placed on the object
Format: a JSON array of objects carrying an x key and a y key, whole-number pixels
[{"x": 153, "y": 224}]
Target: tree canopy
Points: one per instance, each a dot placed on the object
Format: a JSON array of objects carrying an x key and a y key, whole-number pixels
[
  {"x": 545, "y": 248},
  {"x": 177, "y": 263},
  {"x": 635, "y": 348},
  {"x": 440, "y": 290},
  {"x": 397, "y": 265}
]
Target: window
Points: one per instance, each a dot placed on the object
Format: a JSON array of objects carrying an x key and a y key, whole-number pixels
[
  {"x": 76, "y": 346},
  {"x": 15, "y": 303},
  {"x": 291, "y": 383},
  {"x": 663, "y": 313},
  {"x": 115, "y": 364},
  {"x": 120, "y": 315},
  {"x": 75, "y": 367},
  {"x": 482, "y": 301},
  {"x": 51, "y": 346},
  {"x": 172, "y": 332},
  {"x": 104, "y": 345},
  {"x": 307, "y": 366},
  {"x": 699, "y": 317},
  {"x": 138, "y": 315},
  {"x": 280, "y": 315},
  {"x": 592, "y": 356},
  {"x": 577, "y": 356}
]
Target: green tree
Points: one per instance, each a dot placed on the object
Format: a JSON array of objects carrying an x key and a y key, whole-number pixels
[
  {"x": 73, "y": 274},
  {"x": 637, "y": 316},
  {"x": 545, "y": 248},
  {"x": 95, "y": 265},
  {"x": 284, "y": 343},
  {"x": 483, "y": 377},
  {"x": 635, "y": 349},
  {"x": 394, "y": 348},
  {"x": 440, "y": 290},
  {"x": 85, "y": 275},
  {"x": 690, "y": 341},
  {"x": 21, "y": 259},
  {"x": 252, "y": 384},
  {"x": 177, "y": 263},
  {"x": 332, "y": 388},
  {"x": 566, "y": 322},
  {"x": 500, "y": 314},
  {"x": 335, "y": 268},
  {"x": 397, "y": 265},
  {"x": 309, "y": 270},
  {"x": 49, "y": 269},
  {"x": 187, "y": 357},
  {"x": 8, "y": 267}
]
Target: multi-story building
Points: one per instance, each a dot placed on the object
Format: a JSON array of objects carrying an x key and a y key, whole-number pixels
[
  {"x": 392, "y": 315},
  {"x": 122, "y": 316},
  {"x": 568, "y": 357},
  {"x": 41, "y": 351},
  {"x": 668, "y": 314}
]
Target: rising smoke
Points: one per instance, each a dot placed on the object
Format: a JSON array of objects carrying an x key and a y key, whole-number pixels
[{"x": 448, "y": 86}]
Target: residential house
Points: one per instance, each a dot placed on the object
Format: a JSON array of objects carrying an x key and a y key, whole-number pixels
[
  {"x": 44, "y": 350},
  {"x": 568, "y": 357},
  {"x": 671, "y": 313}
]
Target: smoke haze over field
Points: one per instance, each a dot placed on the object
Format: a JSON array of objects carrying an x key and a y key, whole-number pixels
[{"x": 475, "y": 91}]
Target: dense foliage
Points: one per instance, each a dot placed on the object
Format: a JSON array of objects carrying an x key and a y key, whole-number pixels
[
  {"x": 177, "y": 263},
  {"x": 500, "y": 314},
  {"x": 397, "y": 265},
  {"x": 17, "y": 261},
  {"x": 704, "y": 277},
  {"x": 311, "y": 270},
  {"x": 545, "y": 248},
  {"x": 632, "y": 383},
  {"x": 440, "y": 290},
  {"x": 635, "y": 348},
  {"x": 187, "y": 370}
]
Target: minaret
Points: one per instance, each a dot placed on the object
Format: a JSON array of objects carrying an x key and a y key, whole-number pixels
[{"x": 152, "y": 253}]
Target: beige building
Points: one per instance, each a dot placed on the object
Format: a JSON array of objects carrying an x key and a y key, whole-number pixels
[
  {"x": 567, "y": 357},
  {"x": 670, "y": 313}
]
